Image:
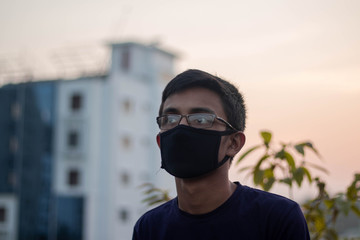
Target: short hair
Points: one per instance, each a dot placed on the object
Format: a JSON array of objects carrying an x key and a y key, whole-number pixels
[{"x": 231, "y": 99}]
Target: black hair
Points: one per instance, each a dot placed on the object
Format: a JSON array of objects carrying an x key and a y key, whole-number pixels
[{"x": 231, "y": 98}]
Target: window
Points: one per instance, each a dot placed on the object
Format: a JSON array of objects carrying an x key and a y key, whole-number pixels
[
  {"x": 15, "y": 110},
  {"x": 13, "y": 144},
  {"x": 125, "y": 178},
  {"x": 73, "y": 177},
  {"x": 2, "y": 214},
  {"x": 12, "y": 179},
  {"x": 73, "y": 139},
  {"x": 76, "y": 102},
  {"x": 126, "y": 142},
  {"x": 127, "y": 105},
  {"x": 125, "y": 59},
  {"x": 124, "y": 215}
]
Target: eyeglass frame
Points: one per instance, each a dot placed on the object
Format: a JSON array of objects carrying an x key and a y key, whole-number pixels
[{"x": 187, "y": 120}]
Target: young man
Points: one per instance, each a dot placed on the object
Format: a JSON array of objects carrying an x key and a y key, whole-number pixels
[{"x": 201, "y": 120}]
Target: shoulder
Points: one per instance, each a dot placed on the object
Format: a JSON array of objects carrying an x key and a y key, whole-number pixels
[
  {"x": 146, "y": 226},
  {"x": 260, "y": 198},
  {"x": 282, "y": 216},
  {"x": 157, "y": 214},
  {"x": 268, "y": 205}
]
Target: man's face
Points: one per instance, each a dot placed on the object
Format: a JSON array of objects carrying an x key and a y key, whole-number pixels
[
  {"x": 195, "y": 100},
  {"x": 199, "y": 100}
]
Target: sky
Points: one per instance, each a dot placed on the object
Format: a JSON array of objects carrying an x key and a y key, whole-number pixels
[{"x": 296, "y": 62}]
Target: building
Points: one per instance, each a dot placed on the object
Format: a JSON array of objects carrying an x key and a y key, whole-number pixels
[
  {"x": 27, "y": 124},
  {"x": 79, "y": 149}
]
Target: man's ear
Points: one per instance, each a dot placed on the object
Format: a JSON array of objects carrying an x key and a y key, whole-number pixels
[
  {"x": 158, "y": 139},
  {"x": 237, "y": 142}
]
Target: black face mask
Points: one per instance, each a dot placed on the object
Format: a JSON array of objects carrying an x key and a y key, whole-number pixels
[{"x": 188, "y": 152}]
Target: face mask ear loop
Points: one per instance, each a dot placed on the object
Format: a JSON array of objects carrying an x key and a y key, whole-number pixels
[
  {"x": 228, "y": 132},
  {"x": 224, "y": 160}
]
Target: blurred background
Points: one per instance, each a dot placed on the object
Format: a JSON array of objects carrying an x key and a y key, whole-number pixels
[{"x": 80, "y": 84}]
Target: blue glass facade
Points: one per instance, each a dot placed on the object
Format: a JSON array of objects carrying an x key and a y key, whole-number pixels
[
  {"x": 27, "y": 124},
  {"x": 69, "y": 216},
  {"x": 7, "y": 131}
]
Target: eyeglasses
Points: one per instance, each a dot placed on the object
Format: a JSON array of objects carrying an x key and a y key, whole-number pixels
[{"x": 196, "y": 120}]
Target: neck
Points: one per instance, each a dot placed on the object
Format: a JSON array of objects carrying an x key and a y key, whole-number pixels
[{"x": 204, "y": 194}]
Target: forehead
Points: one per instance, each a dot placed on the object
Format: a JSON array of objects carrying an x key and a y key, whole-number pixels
[{"x": 194, "y": 100}]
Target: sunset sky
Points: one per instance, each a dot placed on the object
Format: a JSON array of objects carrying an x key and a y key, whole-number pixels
[{"x": 296, "y": 62}]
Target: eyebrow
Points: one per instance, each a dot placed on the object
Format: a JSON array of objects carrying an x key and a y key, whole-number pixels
[
  {"x": 170, "y": 110},
  {"x": 201, "y": 110},
  {"x": 192, "y": 110}
]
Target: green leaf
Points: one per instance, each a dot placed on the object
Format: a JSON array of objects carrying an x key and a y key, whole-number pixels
[
  {"x": 289, "y": 158},
  {"x": 319, "y": 223},
  {"x": 308, "y": 175},
  {"x": 329, "y": 203},
  {"x": 266, "y": 137},
  {"x": 310, "y": 145},
  {"x": 261, "y": 160},
  {"x": 280, "y": 154},
  {"x": 246, "y": 153},
  {"x": 287, "y": 181},
  {"x": 150, "y": 199},
  {"x": 299, "y": 175},
  {"x": 355, "y": 209},
  {"x": 317, "y": 167},
  {"x": 357, "y": 177},
  {"x": 344, "y": 206},
  {"x": 330, "y": 234},
  {"x": 258, "y": 176},
  {"x": 300, "y": 149},
  {"x": 150, "y": 191},
  {"x": 351, "y": 193},
  {"x": 269, "y": 183},
  {"x": 268, "y": 173},
  {"x": 244, "y": 168},
  {"x": 258, "y": 173},
  {"x": 144, "y": 185}
]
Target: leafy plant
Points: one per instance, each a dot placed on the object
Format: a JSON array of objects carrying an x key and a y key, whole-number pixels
[
  {"x": 154, "y": 195},
  {"x": 280, "y": 165},
  {"x": 322, "y": 212}
]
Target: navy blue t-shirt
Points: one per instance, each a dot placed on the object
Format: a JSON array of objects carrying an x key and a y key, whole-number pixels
[{"x": 249, "y": 214}]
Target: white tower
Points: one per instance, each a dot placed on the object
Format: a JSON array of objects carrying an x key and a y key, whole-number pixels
[{"x": 105, "y": 144}]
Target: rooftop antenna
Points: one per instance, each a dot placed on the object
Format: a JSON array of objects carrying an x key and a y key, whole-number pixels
[{"x": 119, "y": 28}]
